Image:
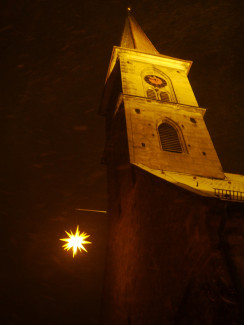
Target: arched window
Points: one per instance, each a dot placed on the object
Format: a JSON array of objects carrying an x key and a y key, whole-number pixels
[
  {"x": 151, "y": 94},
  {"x": 169, "y": 138},
  {"x": 157, "y": 85},
  {"x": 164, "y": 97}
]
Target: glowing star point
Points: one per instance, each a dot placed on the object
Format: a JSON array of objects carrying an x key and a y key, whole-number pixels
[{"x": 75, "y": 241}]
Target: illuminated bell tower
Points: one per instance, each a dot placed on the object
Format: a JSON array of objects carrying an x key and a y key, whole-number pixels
[
  {"x": 165, "y": 232},
  {"x": 167, "y": 135},
  {"x": 165, "y": 126}
]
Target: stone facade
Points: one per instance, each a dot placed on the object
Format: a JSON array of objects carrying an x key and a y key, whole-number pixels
[{"x": 174, "y": 257}]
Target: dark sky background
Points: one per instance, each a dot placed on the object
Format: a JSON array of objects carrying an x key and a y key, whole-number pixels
[{"x": 54, "y": 58}]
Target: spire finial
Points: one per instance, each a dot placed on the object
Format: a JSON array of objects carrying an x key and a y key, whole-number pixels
[{"x": 128, "y": 9}]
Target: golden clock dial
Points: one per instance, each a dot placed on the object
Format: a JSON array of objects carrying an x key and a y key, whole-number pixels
[{"x": 155, "y": 81}]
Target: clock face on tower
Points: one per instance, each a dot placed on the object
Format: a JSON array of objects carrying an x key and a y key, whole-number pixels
[{"x": 155, "y": 81}]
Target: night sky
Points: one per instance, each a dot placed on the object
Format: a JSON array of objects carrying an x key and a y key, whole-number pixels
[{"x": 54, "y": 58}]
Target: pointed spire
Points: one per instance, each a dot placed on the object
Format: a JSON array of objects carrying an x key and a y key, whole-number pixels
[{"x": 134, "y": 37}]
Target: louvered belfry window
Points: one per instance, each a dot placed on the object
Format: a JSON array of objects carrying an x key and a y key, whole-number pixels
[
  {"x": 164, "y": 97},
  {"x": 169, "y": 138},
  {"x": 151, "y": 94}
]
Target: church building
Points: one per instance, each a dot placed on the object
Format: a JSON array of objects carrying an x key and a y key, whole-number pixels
[{"x": 175, "y": 248}]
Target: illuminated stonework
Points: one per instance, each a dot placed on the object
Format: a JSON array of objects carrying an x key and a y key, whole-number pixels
[{"x": 155, "y": 90}]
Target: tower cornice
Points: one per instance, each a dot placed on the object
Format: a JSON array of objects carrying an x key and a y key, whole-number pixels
[{"x": 181, "y": 64}]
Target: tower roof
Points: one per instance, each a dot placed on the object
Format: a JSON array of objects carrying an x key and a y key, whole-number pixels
[{"x": 133, "y": 37}]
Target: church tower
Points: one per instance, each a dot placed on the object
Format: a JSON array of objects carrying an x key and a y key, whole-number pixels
[
  {"x": 167, "y": 135},
  {"x": 165, "y": 184}
]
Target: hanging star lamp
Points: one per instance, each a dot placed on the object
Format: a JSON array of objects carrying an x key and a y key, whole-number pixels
[{"x": 75, "y": 241}]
